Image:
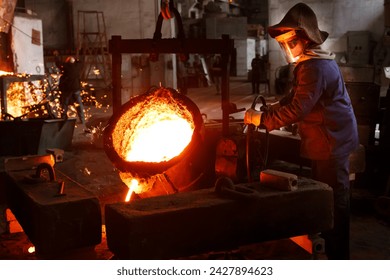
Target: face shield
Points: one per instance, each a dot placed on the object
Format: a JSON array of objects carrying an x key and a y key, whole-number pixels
[{"x": 291, "y": 45}]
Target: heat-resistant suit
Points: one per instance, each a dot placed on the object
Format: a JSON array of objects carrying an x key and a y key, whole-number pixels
[{"x": 320, "y": 104}]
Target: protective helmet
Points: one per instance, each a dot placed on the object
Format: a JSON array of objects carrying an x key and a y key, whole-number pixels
[{"x": 300, "y": 17}]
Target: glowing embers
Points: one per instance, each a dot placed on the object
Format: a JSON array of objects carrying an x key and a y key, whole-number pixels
[
  {"x": 17, "y": 100},
  {"x": 27, "y": 99}
]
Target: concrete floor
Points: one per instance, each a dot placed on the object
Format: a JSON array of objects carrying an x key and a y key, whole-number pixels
[{"x": 87, "y": 163}]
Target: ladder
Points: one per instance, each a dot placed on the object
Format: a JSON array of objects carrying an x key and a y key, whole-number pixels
[{"x": 92, "y": 47}]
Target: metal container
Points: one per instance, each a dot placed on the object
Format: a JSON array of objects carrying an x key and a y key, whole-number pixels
[{"x": 146, "y": 169}]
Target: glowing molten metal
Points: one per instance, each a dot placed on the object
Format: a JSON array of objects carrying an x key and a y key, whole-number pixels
[
  {"x": 152, "y": 131},
  {"x": 144, "y": 137},
  {"x": 155, "y": 130}
]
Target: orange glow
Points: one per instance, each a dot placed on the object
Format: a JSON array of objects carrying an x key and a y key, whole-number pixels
[
  {"x": 31, "y": 249},
  {"x": 155, "y": 130},
  {"x": 134, "y": 185},
  {"x": 16, "y": 99},
  {"x": 4, "y": 73},
  {"x": 22, "y": 96},
  {"x": 164, "y": 128}
]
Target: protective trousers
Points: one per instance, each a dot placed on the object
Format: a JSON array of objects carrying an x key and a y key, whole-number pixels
[{"x": 335, "y": 173}]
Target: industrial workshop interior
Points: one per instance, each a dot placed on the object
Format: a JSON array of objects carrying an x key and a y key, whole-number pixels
[{"x": 160, "y": 163}]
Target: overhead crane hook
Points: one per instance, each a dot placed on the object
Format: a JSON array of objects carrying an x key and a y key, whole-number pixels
[
  {"x": 168, "y": 11},
  {"x": 166, "y": 8}
]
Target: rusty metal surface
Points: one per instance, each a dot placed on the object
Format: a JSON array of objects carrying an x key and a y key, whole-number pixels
[{"x": 190, "y": 223}]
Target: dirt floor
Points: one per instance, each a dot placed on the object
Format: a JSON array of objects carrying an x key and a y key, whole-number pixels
[{"x": 87, "y": 164}]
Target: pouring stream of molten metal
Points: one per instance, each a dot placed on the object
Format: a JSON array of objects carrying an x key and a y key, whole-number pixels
[{"x": 132, "y": 187}]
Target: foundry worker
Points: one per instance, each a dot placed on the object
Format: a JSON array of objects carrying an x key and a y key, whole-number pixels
[
  {"x": 70, "y": 86},
  {"x": 257, "y": 65},
  {"x": 216, "y": 70},
  {"x": 320, "y": 104}
]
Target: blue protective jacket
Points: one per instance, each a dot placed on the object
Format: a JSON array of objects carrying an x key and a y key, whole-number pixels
[{"x": 320, "y": 103}]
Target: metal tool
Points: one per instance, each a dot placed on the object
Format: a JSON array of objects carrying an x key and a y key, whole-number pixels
[{"x": 249, "y": 136}]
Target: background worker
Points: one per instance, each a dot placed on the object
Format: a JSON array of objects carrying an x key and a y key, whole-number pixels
[
  {"x": 320, "y": 103},
  {"x": 216, "y": 71},
  {"x": 70, "y": 86},
  {"x": 256, "y": 65}
]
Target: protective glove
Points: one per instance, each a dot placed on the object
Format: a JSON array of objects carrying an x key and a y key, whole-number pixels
[{"x": 252, "y": 117}]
